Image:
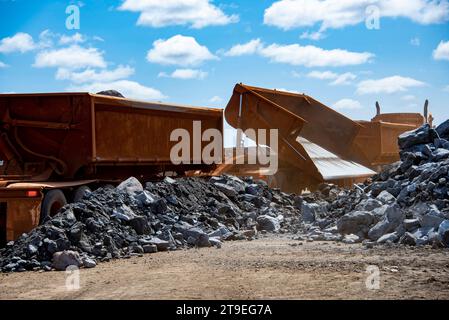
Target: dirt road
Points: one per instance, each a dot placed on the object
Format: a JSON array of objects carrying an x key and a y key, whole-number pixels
[{"x": 269, "y": 268}]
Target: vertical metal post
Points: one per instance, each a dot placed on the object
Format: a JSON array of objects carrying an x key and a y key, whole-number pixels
[{"x": 239, "y": 142}]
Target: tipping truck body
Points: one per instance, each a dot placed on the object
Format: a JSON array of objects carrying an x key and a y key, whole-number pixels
[
  {"x": 55, "y": 145},
  {"x": 316, "y": 143}
]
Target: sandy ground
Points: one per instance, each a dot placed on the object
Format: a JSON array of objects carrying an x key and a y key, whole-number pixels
[{"x": 268, "y": 268}]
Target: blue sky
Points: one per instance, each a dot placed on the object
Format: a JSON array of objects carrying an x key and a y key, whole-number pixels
[{"x": 184, "y": 51}]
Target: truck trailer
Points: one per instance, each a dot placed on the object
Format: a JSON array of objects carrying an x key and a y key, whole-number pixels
[{"x": 56, "y": 146}]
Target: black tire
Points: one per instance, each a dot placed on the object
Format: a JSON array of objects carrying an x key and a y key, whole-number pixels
[
  {"x": 53, "y": 201},
  {"x": 79, "y": 193}
]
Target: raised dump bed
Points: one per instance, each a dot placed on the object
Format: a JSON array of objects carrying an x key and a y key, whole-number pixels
[
  {"x": 316, "y": 143},
  {"x": 53, "y": 145}
]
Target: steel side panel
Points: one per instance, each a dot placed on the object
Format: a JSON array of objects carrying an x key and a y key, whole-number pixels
[
  {"x": 22, "y": 216},
  {"x": 143, "y": 135}
]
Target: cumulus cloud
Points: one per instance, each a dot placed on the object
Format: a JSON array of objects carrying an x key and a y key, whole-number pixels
[
  {"x": 338, "y": 79},
  {"x": 322, "y": 75},
  {"x": 129, "y": 89},
  {"x": 195, "y": 13},
  {"x": 76, "y": 38},
  {"x": 20, "y": 42},
  {"x": 73, "y": 57},
  {"x": 312, "y": 35},
  {"x": 311, "y": 56},
  {"x": 344, "y": 79},
  {"x": 185, "y": 74},
  {"x": 333, "y": 14},
  {"x": 91, "y": 75},
  {"x": 179, "y": 50},
  {"x": 348, "y": 104},
  {"x": 442, "y": 51},
  {"x": 388, "y": 85},
  {"x": 216, "y": 100},
  {"x": 3, "y": 65},
  {"x": 248, "y": 48}
]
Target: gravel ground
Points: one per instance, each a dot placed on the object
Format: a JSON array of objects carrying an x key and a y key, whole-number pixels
[{"x": 272, "y": 267}]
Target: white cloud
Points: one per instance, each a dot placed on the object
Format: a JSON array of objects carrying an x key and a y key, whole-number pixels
[
  {"x": 388, "y": 85},
  {"x": 333, "y": 14},
  {"x": 339, "y": 79},
  {"x": 46, "y": 39},
  {"x": 130, "y": 89},
  {"x": 322, "y": 75},
  {"x": 76, "y": 38},
  {"x": 73, "y": 57},
  {"x": 90, "y": 75},
  {"x": 3, "y": 65},
  {"x": 195, "y": 13},
  {"x": 446, "y": 88},
  {"x": 415, "y": 42},
  {"x": 312, "y": 35},
  {"x": 20, "y": 42},
  {"x": 348, "y": 104},
  {"x": 408, "y": 97},
  {"x": 185, "y": 74},
  {"x": 97, "y": 38},
  {"x": 344, "y": 79},
  {"x": 296, "y": 74},
  {"x": 248, "y": 48},
  {"x": 179, "y": 50},
  {"x": 216, "y": 100},
  {"x": 442, "y": 51},
  {"x": 311, "y": 56},
  {"x": 286, "y": 90}
]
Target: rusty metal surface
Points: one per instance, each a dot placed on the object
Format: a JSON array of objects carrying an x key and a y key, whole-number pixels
[
  {"x": 376, "y": 143},
  {"x": 81, "y": 135},
  {"x": 47, "y": 185},
  {"x": 356, "y": 146},
  {"x": 22, "y": 216},
  {"x": 315, "y": 121}
]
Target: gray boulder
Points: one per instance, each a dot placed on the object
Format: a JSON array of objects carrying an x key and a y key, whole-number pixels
[
  {"x": 388, "y": 238},
  {"x": 408, "y": 239},
  {"x": 268, "y": 223},
  {"x": 422, "y": 135},
  {"x": 130, "y": 186},
  {"x": 411, "y": 224},
  {"x": 89, "y": 263},
  {"x": 386, "y": 198},
  {"x": 443, "y": 130},
  {"x": 355, "y": 222},
  {"x": 227, "y": 190},
  {"x": 443, "y": 232},
  {"x": 63, "y": 259},
  {"x": 432, "y": 219},
  {"x": 393, "y": 218}
]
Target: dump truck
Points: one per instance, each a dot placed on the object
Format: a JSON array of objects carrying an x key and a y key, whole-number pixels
[
  {"x": 55, "y": 146},
  {"x": 316, "y": 143}
]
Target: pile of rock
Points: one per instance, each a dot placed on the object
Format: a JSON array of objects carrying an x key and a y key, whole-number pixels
[
  {"x": 406, "y": 203},
  {"x": 131, "y": 220}
]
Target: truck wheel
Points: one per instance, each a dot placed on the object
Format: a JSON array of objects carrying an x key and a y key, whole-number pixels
[
  {"x": 80, "y": 192},
  {"x": 53, "y": 201}
]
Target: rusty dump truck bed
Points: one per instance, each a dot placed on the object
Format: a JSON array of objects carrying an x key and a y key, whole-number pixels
[
  {"x": 54, "y": 145},
  {"x": 316, "y": 143},
  {"x": 67, "y": 136}
]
